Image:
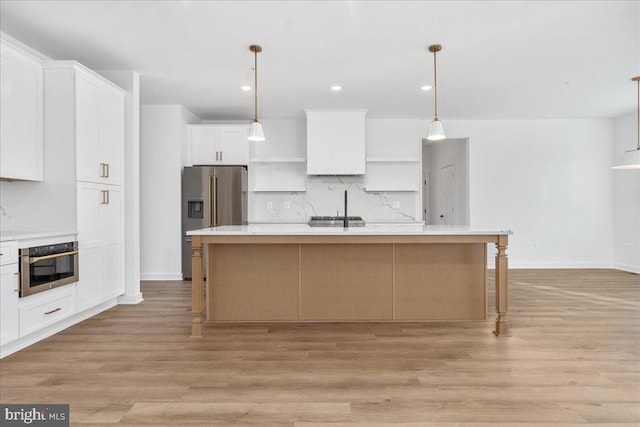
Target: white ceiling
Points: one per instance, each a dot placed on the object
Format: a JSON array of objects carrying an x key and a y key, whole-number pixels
[{"x": 500, "y": 59}]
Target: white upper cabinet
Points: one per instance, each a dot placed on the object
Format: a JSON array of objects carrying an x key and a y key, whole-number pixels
[
  {"x": 84, "y": 106},
  {"x": 99, "y": 129},
  {"x": 219, "y": 144},
  {"x": 21, "y": 122},
  {"x": 336, "y": 142}
]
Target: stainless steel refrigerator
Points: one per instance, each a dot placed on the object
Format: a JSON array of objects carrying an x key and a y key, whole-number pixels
[{"x": 211, "y": 196}]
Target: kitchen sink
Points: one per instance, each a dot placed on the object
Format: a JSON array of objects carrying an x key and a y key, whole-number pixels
[{"x": 335, "y": 221}]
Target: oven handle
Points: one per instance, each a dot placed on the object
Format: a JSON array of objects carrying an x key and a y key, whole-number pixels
[{"x": 42, "y": 258}]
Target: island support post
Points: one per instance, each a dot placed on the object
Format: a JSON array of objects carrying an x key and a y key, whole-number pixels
[
  {"x": 502, "y": 287},
  {"x": 197, "y": 289}
]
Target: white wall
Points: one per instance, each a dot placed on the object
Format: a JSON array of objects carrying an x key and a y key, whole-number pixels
[
  {"x": 162, "y": 134},
  {"x": 626, "y": 208},
  {"x": 550, "y": 181}
]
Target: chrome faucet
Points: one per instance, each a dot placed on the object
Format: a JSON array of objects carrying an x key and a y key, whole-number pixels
[{"x": 346, "y": 218}]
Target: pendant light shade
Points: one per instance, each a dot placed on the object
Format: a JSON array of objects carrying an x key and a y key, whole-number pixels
[
  {"x": 631, "y": 159},
  {"x": 255, "y": 132},
  {"x": 436, "y": 130}
]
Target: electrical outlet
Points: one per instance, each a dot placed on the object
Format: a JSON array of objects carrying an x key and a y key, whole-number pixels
[
  {"x": 396, "y": 204},
  {"x": 628, "y": 246},
  {"x": 535, "y": 245},
  {"x": 269, "y": 205},
  {"x": 287, "y": 205}
]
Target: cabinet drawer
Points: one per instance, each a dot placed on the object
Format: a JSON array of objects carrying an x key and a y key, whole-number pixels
[
  {"x": 45, "y": 312},
  {"x": 8, "y": 253}
]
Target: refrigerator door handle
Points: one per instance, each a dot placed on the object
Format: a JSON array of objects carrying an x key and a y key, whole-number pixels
[{"x": 213, "y": 201}]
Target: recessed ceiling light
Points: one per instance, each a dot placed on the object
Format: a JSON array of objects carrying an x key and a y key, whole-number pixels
[
  {"x": 245, "y": 88},
  {"x": 336, "y": 88},
  {"x": 426, "y": 88}
]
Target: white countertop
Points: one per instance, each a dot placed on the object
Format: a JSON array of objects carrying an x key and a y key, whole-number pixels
[
  {"x": 369, "y": 229},
  {"x": 21, "y": 235}
]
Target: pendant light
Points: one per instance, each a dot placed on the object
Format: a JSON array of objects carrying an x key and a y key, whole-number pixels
[
  {"x": 631, "y": 159},
  {"x": 255, "y": 131},
  {"x": 436, "y": 131}
]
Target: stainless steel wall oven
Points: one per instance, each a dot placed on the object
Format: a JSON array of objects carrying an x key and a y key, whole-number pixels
[{"x": 47, "y": 267}]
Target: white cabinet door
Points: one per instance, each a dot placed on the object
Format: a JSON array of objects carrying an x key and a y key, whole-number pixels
[
  {"x": 99, "y": 130},
  {"x": 88, "y": 214},
  {"x": 111, "y": 136},
  {"x": 100, "y": 237},
  {"x": 233, "y": 146},
  {"x": 219, "y": 144},
  {"x": 90, "y": 277},
  {"x": 204, "y": 145},
  {"x": 113, "y": 272},
  {"x": 21, "y": 115},
  {"x": 111, "y": 215},
  {"x": 9, "y": 314},
  {"x": 336, "y": 142},
  {"x": 89, "y": 245},
  {"x": 87, "y": 121}
]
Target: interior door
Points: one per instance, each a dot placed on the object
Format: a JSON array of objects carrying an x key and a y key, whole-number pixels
[{"x": 447, "y": 195}]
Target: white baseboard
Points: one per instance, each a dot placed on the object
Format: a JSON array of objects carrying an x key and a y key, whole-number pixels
[
  {"x": 130, "y": 299},
  {"x": 46, "y": 332},
  {"x": 629, "y": 268},
  {"x": 160, "y": 276},
  {"x": 551, "y": 265}
]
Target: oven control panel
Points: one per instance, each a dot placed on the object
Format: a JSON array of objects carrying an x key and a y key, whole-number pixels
[{"x": 50, "y": 249}]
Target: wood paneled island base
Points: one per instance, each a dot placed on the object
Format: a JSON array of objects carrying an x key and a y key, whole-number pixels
[{"x": 349, "y": 276}]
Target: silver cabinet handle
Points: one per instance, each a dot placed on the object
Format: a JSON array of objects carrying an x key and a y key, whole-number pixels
[
  {"x": 53, "y": 311},
  {"x": 17, "y": 289},
  {"x": 104, "y": 170},
  {"x": 105, "y": 197},
  {"x": 221, "y": 155}
]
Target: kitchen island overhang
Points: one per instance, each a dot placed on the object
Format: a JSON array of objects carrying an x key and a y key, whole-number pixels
[{"x": 296, "y": 273}]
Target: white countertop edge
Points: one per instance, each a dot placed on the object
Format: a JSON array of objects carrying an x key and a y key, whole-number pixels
[
  {"x": 26, "y": 238},
  {"x": 369, "y": 230}
]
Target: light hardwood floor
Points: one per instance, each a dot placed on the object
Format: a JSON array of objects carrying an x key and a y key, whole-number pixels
[{"x": 573, "y": 359}]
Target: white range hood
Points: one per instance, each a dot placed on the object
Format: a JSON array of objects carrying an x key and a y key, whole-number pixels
[{"x": 336, "y": 142}]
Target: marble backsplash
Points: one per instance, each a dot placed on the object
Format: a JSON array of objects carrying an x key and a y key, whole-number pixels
[{"x": 325, "y": 197}]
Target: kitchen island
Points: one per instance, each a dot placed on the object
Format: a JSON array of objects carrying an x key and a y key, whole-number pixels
[{"x": 380, "y": 272}]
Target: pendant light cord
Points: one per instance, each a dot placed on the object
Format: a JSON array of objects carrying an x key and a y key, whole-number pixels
[
  {"x": 255, "y": 84},
  {"x": 435, "y": 86}
]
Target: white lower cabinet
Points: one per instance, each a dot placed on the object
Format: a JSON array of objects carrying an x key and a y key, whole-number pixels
[
  {"x": 41, "y": 310},
  {"x": 90, "y": 277},
  {"x": 113, "y": 271},
  {"x": 100, "y": 242},
  {"x": 9, "y": 326}
]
